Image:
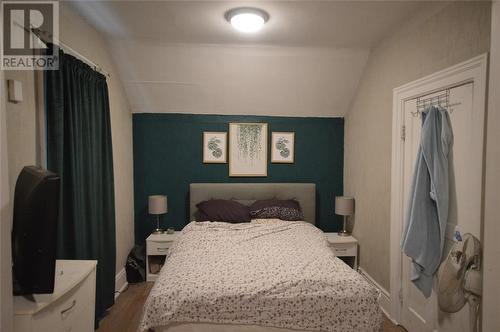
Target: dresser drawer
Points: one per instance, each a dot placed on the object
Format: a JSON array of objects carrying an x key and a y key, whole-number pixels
[
  {"x": 70, "y": 312},
  {"x": 70, "y": 308},
  {"x": 158, "y": 248},
  {"x": 82, "y": 319},
  {"x": 344, "y": 249}
]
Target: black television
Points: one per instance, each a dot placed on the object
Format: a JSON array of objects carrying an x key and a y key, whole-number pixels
[{"x": 34, "y": 231}]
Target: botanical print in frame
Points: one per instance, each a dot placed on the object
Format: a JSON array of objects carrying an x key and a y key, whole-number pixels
[
  {"x": 214, "y": 147},
  {"x": 283, "y": 147},
  {"x": 248, "y": 149}
]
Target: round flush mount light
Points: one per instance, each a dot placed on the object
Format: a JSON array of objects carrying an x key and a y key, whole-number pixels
[{"x": 247, "y": 19}]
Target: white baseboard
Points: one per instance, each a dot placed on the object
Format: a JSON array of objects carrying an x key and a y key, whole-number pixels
[
  {"x": 385, "y": 296},
  {"x": 120, "y": 282}
]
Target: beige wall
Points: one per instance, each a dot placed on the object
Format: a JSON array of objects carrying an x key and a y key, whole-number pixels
[
  {"x": 441, "y": 36},
  {"x": 81, "y": 36},
  {"x": 491, "y": 297},
  {"x": 21, "y": 127},
  {"x": 5, "y": 219},
  {"x": 18, "y": 149},
  {"x": 239, "y": 79}
]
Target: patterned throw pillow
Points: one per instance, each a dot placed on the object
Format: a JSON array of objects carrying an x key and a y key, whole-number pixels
[{"x": 276, "y": 209}]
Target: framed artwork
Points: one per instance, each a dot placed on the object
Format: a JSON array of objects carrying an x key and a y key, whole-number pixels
[
  {"x": 283, "y": 147},
  {"x": 214, "y": 147},
  {"x": 248, "y": 149}
]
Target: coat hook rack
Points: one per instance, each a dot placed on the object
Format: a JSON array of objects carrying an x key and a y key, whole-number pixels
[{"x": 441, "y": 100}]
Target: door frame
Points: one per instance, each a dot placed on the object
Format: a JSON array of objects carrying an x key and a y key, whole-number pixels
[{"x": 473, "y": 70}]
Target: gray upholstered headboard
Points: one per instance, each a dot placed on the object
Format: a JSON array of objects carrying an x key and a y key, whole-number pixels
[{"x": 304, "y": 193}]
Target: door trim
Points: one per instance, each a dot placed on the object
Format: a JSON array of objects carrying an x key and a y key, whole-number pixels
[{"x": 473, "y": 70}]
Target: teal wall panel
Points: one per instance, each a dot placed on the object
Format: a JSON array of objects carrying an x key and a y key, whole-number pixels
[{"x": 168, "y": 157}]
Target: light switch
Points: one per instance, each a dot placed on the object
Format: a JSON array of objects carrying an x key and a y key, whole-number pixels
[{"x": 15, "y": 91}]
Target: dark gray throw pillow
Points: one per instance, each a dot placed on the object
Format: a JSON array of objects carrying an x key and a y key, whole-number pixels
[
  {"x": 276, "y": 209},
  {"x": 223, "y": 210}
]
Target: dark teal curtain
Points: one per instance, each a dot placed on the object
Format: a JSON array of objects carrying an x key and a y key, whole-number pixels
[{"x": 79, "y": 149}]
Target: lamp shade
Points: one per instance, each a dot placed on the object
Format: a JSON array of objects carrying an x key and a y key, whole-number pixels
[
  {"x": 157, "y": 204},
  {"x": 344, "y": 206}
]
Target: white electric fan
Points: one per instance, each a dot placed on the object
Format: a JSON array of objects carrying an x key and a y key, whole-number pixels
[{"x": 459, "y": 279}]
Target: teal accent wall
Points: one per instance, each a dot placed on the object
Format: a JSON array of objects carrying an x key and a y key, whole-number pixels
[{"x": 168, "y": 157}]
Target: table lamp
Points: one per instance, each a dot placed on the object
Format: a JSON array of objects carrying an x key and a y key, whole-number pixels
[
  {"x": 344, "y": 206},
  {"x": 157, "y": 205}
]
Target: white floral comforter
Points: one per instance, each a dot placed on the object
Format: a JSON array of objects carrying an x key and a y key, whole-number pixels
[{"x": 268, "y": 273}]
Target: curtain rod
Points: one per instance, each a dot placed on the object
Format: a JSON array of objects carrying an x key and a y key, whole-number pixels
[{"x": 41, "y": 34}]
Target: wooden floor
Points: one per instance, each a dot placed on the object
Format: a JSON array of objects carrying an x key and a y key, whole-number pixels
[{"x": 124, "y": 316}]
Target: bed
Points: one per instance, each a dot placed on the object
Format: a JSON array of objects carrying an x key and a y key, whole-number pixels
[{"x": 267, "y": 275}]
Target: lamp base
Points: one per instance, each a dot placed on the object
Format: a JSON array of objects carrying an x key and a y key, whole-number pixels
[
  {"x": 158, "y": 230},
  {"x": 343, "y": 233}
]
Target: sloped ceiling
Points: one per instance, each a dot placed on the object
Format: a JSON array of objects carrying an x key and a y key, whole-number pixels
[{"x": 183, "y": 57}]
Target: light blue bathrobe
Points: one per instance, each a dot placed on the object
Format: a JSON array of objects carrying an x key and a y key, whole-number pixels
[{"x": 427, "y": 212}]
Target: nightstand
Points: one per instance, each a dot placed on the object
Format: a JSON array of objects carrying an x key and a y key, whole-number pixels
[
  {"x": 345, "y": 248},
  {"x": 157, "y": 246}
]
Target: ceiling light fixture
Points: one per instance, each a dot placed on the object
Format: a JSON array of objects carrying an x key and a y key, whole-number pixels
[{"x": 247, "y": 19}]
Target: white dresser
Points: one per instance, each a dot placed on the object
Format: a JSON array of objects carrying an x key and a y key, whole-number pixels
[{"x": 70, "y": 308}]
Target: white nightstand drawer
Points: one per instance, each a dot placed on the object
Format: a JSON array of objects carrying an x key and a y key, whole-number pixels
[
  {"x": 344, "y": 249},
  {"x": 158, "y": 248}
]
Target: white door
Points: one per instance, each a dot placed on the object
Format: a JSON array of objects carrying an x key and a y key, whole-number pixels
[{"x": 419, "y": 314}]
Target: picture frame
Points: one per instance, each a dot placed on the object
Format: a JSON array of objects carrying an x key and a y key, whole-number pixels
[
  {"x": 214, "y": 147},
  {"x": 283, "y": 147},
  {"x": 247, "y": 149}
]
